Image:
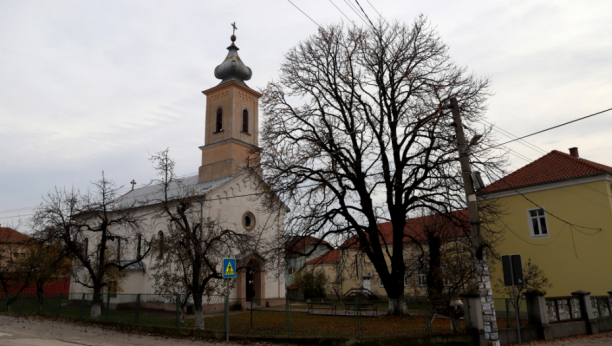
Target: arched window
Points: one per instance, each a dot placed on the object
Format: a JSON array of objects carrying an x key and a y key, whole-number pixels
[
  {"x": 139, "y": 246},
  {"x": 245, "y": 121},
  {"x": 219, "y": 126},
  {"x": 161, "y": 244},
  {"x": 118, "y": 249},
  {"x": 85, "y": 246}
]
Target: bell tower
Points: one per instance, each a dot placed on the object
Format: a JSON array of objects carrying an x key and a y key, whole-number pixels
[{"x": 231, "y": 136}]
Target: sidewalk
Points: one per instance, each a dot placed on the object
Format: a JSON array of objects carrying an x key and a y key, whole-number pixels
[{"x": 604, "y": 339}]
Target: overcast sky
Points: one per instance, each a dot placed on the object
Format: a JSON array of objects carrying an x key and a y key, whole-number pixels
[{"x": 87, "y": 86}]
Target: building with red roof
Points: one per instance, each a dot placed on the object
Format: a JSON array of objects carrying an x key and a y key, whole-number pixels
[
  {"x": 348, "y": 269},
  {"x": 558, "y": 213},
  {"x": 13, "y": 249}
]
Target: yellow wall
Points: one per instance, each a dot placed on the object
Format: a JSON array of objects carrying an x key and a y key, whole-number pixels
[{"x": 587, "y": 268}]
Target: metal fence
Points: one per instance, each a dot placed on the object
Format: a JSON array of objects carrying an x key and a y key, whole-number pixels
[
  {"x": 601, "y": 306},
  {"x": 266, "y": 317},
  {"x": 507, "y": 311}
]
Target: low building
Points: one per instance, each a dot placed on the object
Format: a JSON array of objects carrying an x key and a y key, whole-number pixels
[
  {"x": 558, "y": 213},
  {"x": 347, "y": 268}
]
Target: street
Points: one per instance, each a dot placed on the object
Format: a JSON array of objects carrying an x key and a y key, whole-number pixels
[{"x": 22, "y": 331}]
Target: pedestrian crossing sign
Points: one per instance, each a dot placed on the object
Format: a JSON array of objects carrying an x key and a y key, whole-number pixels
[{"x": 229, "y": 268}]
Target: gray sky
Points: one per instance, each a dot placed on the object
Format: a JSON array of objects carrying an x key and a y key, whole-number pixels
[{"x": 87, "y": 86}]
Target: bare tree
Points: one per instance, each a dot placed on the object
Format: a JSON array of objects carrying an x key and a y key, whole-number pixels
[
  {"x": 354, "y": 135},
  {"x": 86, "y": 225},
  {"x": 192, "y": 252}
]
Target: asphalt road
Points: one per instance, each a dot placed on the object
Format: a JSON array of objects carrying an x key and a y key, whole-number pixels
[{"x": 24, "y": 331}]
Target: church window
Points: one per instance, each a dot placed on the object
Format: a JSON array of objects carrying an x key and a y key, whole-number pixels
[
  {"x": 219, "y": 123},
  {"x": 245, "y": 121},
  {"x": 161, "y": 244},
  {"x": 138, "y": 246},
  {"x": 118, "y": 249},
  {"x": 85, "y": 247},
  {"x": 248, "y": 221}
]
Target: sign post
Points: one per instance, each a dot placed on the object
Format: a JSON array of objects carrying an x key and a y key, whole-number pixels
[
  {"x": 513, "y": 276},
  {"x": 229, "y": 272}
]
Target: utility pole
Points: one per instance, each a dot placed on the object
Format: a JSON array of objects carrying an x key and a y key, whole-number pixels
[{"x": 482, "y": 270}]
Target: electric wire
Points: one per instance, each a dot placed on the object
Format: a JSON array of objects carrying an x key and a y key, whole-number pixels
[
  {"x": 338, "y": 8},
  {"x": 553, "y": 127},
  {"x": 299, "y": 9}
]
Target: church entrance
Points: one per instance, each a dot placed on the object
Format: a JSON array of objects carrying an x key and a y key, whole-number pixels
[
  {"x": 253, "y": 281},
  {"x": 250, "y": 284}
]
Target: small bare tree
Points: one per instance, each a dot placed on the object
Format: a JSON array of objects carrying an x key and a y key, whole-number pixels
[
  {"x": 85, "y": 225},
  {"x": 191, "y": 254}
]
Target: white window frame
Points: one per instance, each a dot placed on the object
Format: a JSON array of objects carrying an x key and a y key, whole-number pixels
[
  {"x": 423, "y": 275},
  {"x": 537, "y": 217}
]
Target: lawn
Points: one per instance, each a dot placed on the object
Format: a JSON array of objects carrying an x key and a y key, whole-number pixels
[{"x": 293, "y": 324}]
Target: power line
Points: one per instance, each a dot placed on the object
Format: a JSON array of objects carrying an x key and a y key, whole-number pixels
[
  {"x": 338, "y": 8},
  {"x": 304, "y": 13},
  {"x": 551, "y": 128}
]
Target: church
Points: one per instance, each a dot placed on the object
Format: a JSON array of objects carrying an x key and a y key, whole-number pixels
[{"x": 230, "y": 146}]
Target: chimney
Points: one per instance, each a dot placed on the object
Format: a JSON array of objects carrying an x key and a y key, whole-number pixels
[{"x": 574, "y": 152}]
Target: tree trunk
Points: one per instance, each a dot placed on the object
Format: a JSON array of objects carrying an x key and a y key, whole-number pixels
[
  {"x": 397, "y": 307},
  {"x": 199, "y": 316},
  {"x": 96, "y": 309}
]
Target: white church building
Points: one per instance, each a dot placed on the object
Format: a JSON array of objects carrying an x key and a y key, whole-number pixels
[{"x": 230, "y": 141}]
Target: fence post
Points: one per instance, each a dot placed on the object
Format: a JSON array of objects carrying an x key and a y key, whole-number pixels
[
  {"x": 586, "y": 311},
  {"x": 21, "y": 303},
  {"x": 82, "y": 306},
  {"x": 137, "y": 308},
  {"x": 59, "y": 306},
  {"x": 287, "y": 317},
  {"x": 107, "y": 305},
  {"x": 178, "y": 310},
  {"x": 40, "y": 299},
  {"x": 507, "y": 312},
  {"x": 538, "y": 313},
  {"x": 8, "y": 295}
]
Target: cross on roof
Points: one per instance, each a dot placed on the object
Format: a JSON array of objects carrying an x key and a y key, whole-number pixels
[
  {"x": 133, "y": 182},
  {"x": 235, "y": 28}
]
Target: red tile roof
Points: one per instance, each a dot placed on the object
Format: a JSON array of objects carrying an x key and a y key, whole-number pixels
[
  {"x": 329, "y": 257},
  {"x": 554, "y": 166},
  {"x": 298, "y": 245},
  {"x": 9, "y": 235},
  {"x": 415, "y": 228}
]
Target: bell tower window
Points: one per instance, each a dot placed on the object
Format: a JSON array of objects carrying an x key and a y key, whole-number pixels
[
  {"x": 245, "y": 121},
  {"x": 219, "y": 122}
]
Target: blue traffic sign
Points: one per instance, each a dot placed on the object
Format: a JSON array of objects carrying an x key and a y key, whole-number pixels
[{"x": 229, "y": 268}]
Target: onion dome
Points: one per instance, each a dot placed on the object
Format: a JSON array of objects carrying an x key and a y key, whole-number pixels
[{"x": 233, "y": 68}]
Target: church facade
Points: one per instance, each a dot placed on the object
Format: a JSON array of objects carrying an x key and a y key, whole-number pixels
[{"x": 223, "y": 182}]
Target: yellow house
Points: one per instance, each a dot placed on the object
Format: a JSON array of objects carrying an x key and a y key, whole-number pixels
[
  {"x": 558, "y": 213},
  {"x": 347, "y": 268}
]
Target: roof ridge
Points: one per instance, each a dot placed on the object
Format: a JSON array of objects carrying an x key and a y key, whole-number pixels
[{"x": 589, "y": 163}]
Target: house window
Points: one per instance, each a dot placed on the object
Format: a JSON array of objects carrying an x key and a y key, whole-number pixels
[
  {"x": 245, "y": 121},
  {"x": 219, "y": 123},
  {"x": 538, "y": 227},
  {"x": 290, "y": 271},
  {"x": 422, "y": 279}
]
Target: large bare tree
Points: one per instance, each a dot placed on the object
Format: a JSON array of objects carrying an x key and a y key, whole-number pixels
[
  {"x": 354, "y": 134},
  {"x": 88, "y": 226}
]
